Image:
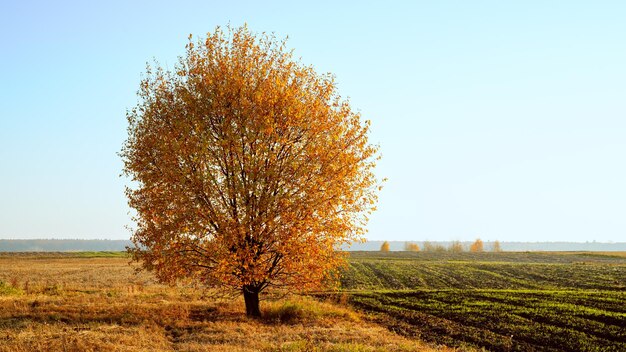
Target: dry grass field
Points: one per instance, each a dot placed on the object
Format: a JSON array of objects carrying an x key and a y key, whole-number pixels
[{"x": 62, "y": 302}]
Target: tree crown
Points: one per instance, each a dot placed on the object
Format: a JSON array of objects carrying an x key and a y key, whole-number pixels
[{"x": 251, "y": 170}]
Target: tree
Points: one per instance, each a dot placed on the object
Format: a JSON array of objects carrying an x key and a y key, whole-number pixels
[
  {"x": 384, "y": 247},
  {"x": 477, "y": 246},
  {"x": 456, "y": 247},
  {"x": 496, "y": 246},
  {"x": 250, "y": 170},
  {"x": 411, "y": 247}
]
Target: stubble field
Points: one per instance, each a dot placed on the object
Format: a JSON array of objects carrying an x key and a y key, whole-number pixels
[
  {"x": 97, "y": 302},
  {"x": 394, "y": 301}
]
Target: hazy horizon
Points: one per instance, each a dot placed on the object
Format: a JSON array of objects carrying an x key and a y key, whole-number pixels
[
  {"x": 91, "y": 245},
  {"x": 367, "y": 240},
  {"x": 495, "y": 120}
]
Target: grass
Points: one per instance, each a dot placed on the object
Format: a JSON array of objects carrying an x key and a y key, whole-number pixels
[
  {"x": 406, "y": 270},
  {"x": 69, "y": 302},
  {"x": 9, "y": 290},
  {"x": 495, "y": 301},
  {"x": 101, "y": 254},
  {"x": 396, "y": 301},
  {"x": 505, "y": 319}
]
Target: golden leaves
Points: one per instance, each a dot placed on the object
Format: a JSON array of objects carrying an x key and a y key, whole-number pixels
[{"x": 477, "y": 246}]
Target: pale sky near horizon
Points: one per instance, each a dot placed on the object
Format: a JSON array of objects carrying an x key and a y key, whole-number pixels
[{"x": 499, "y": 120}]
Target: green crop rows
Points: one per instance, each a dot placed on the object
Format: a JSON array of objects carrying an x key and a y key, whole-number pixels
[{"x": 499, "y": 301}]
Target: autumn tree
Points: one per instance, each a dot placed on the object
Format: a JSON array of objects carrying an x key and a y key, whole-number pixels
[
  {"x": 439, "y": 248},
  {"x": 433, "y": 247},
  {"x": 384, "y": 247},
  {"x": 496, "y": 246},
  {"x": 477, "y": 246},
  {"x": 456, "y": 247},
  {"x": 411, "y": 247},
  {"x": 249, "y": 169}
]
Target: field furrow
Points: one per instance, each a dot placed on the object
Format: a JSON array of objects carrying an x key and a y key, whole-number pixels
[{"x": 507, "y": 302}]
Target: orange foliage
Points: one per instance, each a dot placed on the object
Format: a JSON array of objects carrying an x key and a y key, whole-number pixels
[
  {"x": 477, "y": 246},
  {"x": 411, "y": 247},
  {"x": 250, "y": 169},
  {"x": 384, "y": 247}
]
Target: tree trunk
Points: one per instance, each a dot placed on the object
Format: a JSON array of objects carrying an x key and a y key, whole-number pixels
[{"x": 251, "y": 297}]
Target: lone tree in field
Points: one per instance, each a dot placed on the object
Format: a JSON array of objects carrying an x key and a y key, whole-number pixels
[
  {"x": 496, "y": 246},
  {"x": 250, "y": 170},
  {"x": 384, "y": 247}
]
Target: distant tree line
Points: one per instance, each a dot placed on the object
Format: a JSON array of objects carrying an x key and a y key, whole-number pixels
[
  {"x": 65, "y": 245},
  {"x": 477, "y": 246},
  {"x": 62, "y": 245}
]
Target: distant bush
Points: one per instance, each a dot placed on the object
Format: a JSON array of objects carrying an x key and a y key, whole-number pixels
[
  {"x": 477, "y": 246},
  {"x": 411, "y": 247},
  {"x": 496, "y": 247},
  {"x": 384, "y": 247}
]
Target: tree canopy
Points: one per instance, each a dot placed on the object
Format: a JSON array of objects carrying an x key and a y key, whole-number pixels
[
  {"x": 477, "y": 246},
  {"x": 249, "y": 169}
]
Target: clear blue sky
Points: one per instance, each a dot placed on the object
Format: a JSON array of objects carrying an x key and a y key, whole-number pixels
[{"x": 499, "y": 119}]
